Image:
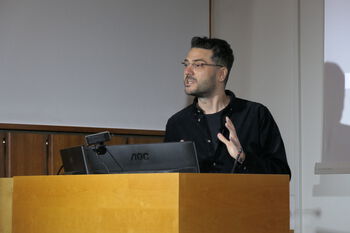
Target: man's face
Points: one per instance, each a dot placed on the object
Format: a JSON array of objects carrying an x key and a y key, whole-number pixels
[{"x": 200, "y": 80}]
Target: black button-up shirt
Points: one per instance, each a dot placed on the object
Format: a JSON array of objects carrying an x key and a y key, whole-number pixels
[{"x": 257, "y": 131}]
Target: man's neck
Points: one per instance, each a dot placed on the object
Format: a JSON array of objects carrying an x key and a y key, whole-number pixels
[{"x": 214, "y": 104}]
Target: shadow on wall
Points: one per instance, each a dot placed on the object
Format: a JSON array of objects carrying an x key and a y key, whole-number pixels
[{"x": 336, "y": 136}]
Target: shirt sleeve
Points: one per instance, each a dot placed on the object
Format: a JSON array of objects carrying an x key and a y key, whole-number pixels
[
  {"x": 170, "y": 132},
  {"x": 271, "y": 158}
]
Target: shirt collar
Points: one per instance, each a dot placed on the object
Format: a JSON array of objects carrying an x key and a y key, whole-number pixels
[{"x": 227, "y": 110}]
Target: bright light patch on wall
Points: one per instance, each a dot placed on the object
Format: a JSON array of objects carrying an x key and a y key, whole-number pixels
[
  {"x": 337, "y": 37},
  {"x": 347, "y": 80},
  {"x": 345, "y": 120}
]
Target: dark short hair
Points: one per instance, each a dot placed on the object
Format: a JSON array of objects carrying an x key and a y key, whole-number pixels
[{"x": 222, "y": 52}]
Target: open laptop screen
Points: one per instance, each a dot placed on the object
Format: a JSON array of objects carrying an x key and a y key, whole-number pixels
[{"x": 132, "y": 158}]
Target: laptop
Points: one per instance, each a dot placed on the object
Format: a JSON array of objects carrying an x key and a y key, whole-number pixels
[{"x": 131, "y": 158}]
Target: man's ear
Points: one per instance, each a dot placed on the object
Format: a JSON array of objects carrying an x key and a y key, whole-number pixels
[{"x": 222, "y": 74}]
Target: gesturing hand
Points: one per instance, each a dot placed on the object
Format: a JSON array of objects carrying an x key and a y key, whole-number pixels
[{"x": 233, "y": 145}]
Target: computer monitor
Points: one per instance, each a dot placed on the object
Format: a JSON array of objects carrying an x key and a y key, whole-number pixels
[{"x": 132, "y": 158}]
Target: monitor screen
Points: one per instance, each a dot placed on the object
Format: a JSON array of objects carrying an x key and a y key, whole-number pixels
[{"x": 131, "y": 158}]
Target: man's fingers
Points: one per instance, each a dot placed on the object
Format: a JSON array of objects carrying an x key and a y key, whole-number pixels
[
  {"x": 223, "y": 139},
  {"x": 233, "y": 135},
  {"x": 230, "y": 145},
  {"x": 229, "y": 125}
]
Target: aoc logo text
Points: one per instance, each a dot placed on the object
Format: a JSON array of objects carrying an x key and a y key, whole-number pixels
[{"x": 140, "y": 156}]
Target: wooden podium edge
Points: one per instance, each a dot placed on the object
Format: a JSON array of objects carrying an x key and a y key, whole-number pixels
[
  {"x": 257, "y": 184},
  {"x": 6, "y": 191}
]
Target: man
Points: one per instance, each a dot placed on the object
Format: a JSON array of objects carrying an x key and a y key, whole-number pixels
[{"x": 230, "y": 134}]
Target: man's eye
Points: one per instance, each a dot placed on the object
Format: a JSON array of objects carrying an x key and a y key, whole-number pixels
[{"x": 197, "y": 65}]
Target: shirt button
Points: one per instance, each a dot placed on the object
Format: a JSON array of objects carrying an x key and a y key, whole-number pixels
[
  {"x": 199, "y": 120},
  {"x": 209, "y": 141},
  {"x": 214, "y": 164}
]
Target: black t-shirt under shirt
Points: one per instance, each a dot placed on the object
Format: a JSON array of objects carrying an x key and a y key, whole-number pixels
[{"x": 214, "y": 124}]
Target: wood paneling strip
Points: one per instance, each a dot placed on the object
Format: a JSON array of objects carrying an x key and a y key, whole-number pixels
[
  {"x": 144, "y": 140},
  {"x": 27, "y": 154},
  {"x": 35, "y": 149},
  {"x": 3, "y": 160},
  {"x": 58, "y": 142},
  {"x": 72, "y": 129}
]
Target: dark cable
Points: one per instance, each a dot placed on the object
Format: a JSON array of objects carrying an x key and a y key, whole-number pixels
[
  {"x": 59, "y": 170},
  {"x": 236, "y": 161},
  {"x": 98, "y": 152}
]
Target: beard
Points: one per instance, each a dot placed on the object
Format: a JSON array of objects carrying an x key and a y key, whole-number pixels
[{"x": 200, "y": 89}]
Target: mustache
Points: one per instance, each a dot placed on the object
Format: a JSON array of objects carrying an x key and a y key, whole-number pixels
[{"x": 189, "y": 77}]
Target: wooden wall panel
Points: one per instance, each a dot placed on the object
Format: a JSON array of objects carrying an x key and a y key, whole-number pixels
[
  {"x": 58, "y": 142},
  {"x": 117, "y": 140},
  {"x": 35, "y": 149},
  {"x": 3, "y": 160},
  {"x": 28, "y": 154},
  {"x": 144, "y": 140},
  {"x": 75, "y": 129}
]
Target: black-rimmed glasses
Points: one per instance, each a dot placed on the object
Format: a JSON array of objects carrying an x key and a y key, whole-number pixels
[{"x": 198, "y": 65}]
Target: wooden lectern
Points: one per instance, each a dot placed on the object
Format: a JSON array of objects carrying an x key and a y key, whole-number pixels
[{"x": 151, "y": 203}]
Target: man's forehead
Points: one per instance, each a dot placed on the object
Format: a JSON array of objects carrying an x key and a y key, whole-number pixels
[{"x": 199, "y": 54}]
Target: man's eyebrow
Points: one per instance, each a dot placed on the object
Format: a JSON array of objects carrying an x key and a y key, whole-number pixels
[
  {"x": 195, "y": 60},
  {"x": 200, "y": 60}
]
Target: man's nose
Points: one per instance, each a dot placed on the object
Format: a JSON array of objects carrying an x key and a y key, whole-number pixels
[{"x": 188, "y": 70}]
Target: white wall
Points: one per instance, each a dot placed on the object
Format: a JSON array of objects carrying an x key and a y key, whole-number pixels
[
  {"x": 325, "y": 198},
  {"x": 101, "y": 63},
  {"x": 264, "y": 37}
]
